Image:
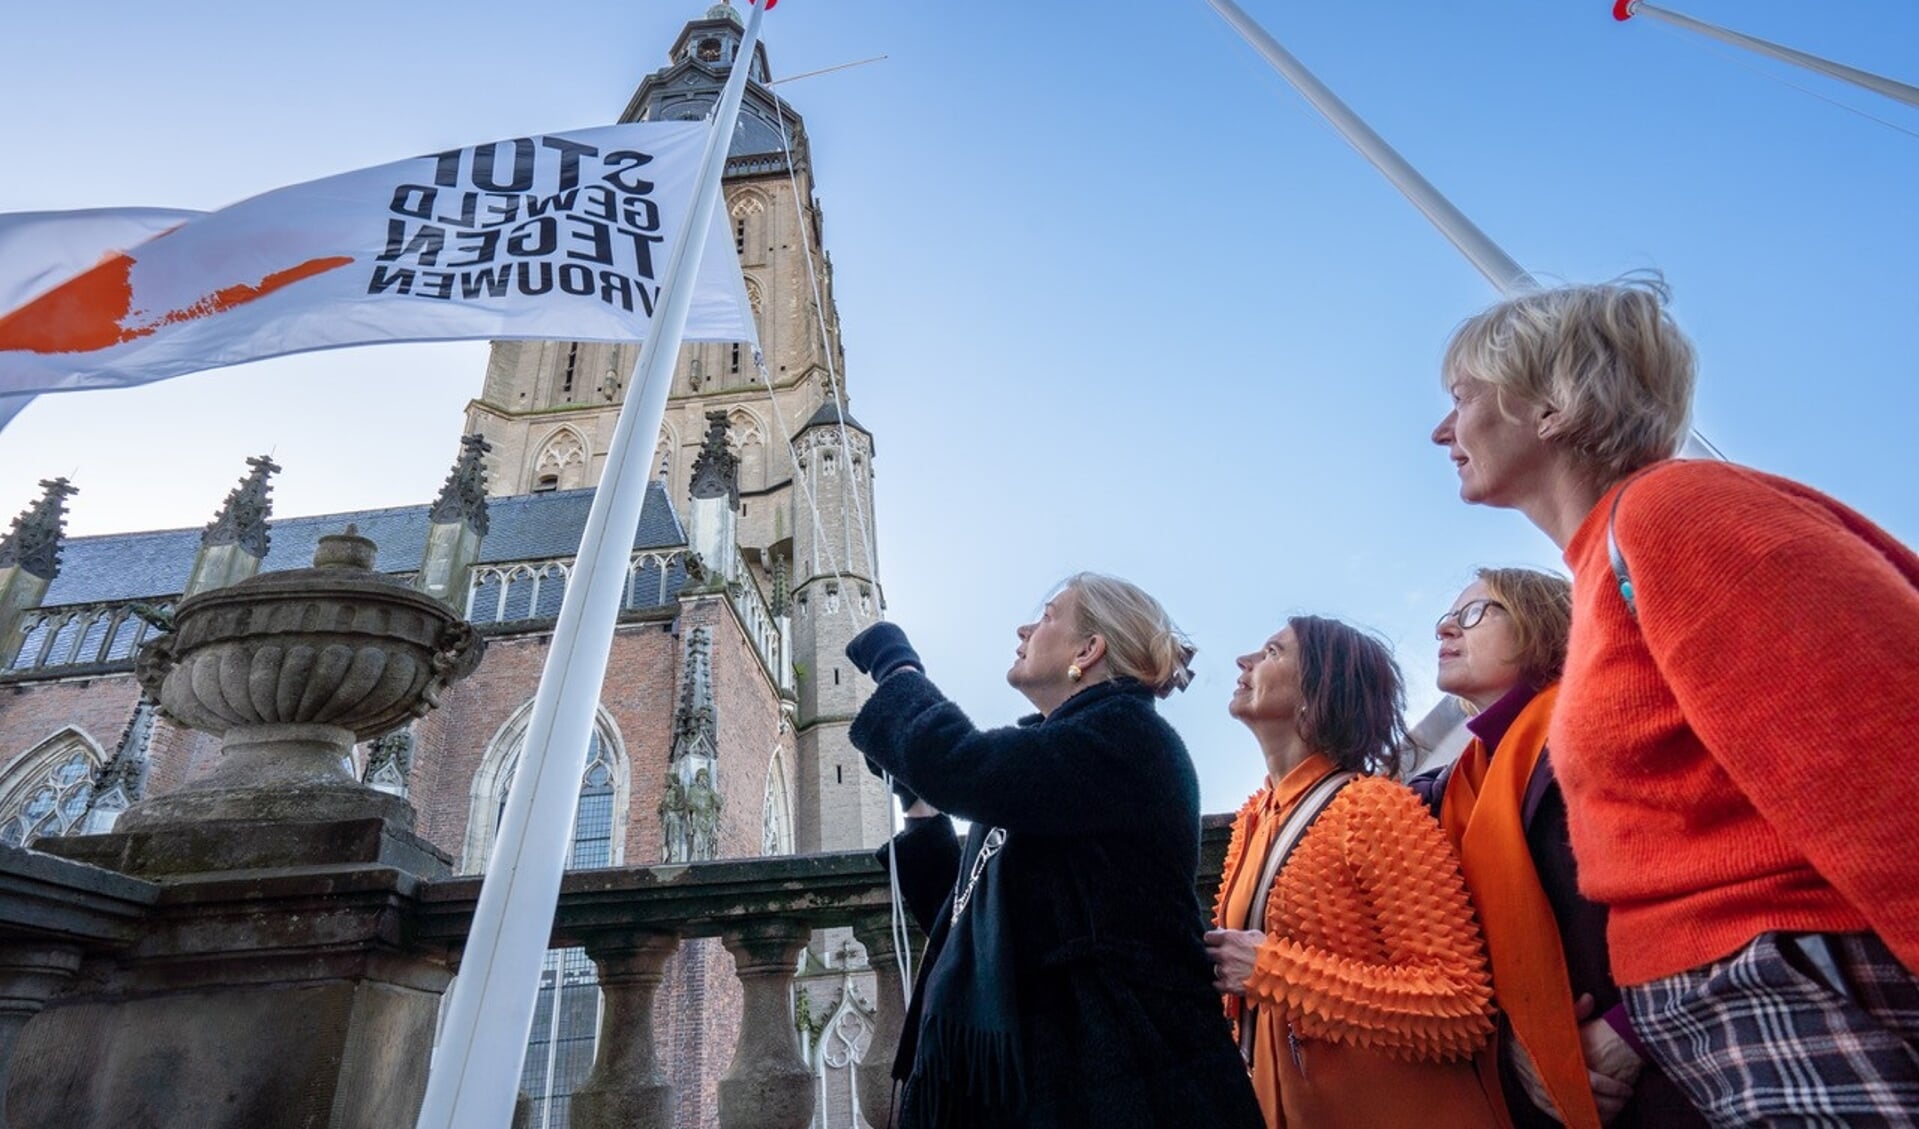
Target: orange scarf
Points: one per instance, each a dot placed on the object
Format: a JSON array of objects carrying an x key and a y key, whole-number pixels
[{"x": 1483, "y": 813}]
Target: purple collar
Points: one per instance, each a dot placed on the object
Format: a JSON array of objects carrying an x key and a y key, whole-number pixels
[{"x": 1491, "y": 723}]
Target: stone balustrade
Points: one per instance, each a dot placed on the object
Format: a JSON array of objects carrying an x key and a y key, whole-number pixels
[{"x": 630, "y": 921}]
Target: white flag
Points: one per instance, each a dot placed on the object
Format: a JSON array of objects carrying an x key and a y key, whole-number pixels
[{"x": 561, "y": 236}]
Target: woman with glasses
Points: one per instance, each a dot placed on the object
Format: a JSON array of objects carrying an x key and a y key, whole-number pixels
[
  {"x": 1344, "y": 941},
  {"x": 1565, "y": 1053},
  {"x": 1732, "y": 729}
]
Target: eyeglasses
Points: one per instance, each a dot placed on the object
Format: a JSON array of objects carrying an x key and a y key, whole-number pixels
[{"x": 1467, "y": 617}]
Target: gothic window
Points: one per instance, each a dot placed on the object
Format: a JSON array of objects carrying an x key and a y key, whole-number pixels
[
  {"x": 46, "y": 791},
  {"x": 562, "y": 458},
  {"x": 749, "y": 214},
  {"x": 776, "y": 815},
  {"x": 566, "y": 1014}
]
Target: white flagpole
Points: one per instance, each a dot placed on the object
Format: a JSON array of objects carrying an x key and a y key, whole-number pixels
[
  {"x": 1878, "y": 84},
  {"x": 475, "y": 1073},
  {"x": 1500, "y": 269}
]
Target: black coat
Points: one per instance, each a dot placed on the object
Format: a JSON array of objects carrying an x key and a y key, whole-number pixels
[{"x": 1099, "y": 922}]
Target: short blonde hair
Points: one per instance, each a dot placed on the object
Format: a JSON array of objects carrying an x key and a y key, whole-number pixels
[
  {"x": 1142, "y": 642},
  {"x": 1606, "y": 357},
  {"x": 1540, "y": 608}
]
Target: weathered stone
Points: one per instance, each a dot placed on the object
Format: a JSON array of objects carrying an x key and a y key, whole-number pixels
[
  {"x": 255, "y": 1000},
  {"x": 627, "y": 1089},
  {"x": 292, "y": 668},
  {"x": 769, "y": 1085}
]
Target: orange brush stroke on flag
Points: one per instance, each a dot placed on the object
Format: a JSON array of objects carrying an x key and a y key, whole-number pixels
[{"x": 93, "y": 311}]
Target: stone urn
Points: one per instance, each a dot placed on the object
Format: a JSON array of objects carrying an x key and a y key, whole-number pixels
[{"x": 291, "y": 669}]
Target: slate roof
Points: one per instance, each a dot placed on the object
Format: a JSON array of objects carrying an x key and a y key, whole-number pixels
[
  {"x": 829, "y": 413},
  {"x": 148, "y": 564}
]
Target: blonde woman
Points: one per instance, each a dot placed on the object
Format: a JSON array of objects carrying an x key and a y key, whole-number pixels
[
  {"x": 1064, "y": 981},
  {"x": 1741, "y": 680}
]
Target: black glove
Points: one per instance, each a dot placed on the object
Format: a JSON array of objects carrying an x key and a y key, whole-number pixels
[
  {"x": 882, "y": 649},
  {"x": 907, "y": 796}
]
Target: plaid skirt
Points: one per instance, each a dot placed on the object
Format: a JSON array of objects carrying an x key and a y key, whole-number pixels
[{"x": 1776, "y": 1035}]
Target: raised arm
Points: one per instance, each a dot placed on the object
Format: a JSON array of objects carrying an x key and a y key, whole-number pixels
[
  {"x": 1089, "y": 773},
  {"x": 1421, "y": 989}
]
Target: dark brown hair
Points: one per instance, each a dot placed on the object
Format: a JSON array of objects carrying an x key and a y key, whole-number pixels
[
  {"x": 1540, "y": 606},
  {"x": 1355, "y": 695}
]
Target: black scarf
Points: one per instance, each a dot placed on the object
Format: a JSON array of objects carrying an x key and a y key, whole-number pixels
[{"x": 968, "y": 1055}]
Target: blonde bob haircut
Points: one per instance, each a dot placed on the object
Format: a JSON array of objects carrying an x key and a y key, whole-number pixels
[
  {"x": 1540, "y": 607},
  {"x": 1142, "y": 642},
  {"x": 1606, "y": 358}
]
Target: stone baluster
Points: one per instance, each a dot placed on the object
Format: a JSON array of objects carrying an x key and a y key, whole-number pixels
[
  {"x": 769, "y": 1085},
  {"x": 627, "y": 1089},
  {"x": 875, "y": 931},
  {"x": 30, "y": 974}
]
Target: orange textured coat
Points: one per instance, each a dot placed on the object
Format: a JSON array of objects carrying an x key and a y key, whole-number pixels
[
  {"x": 1737, "y": 760},
  {"x": 1372, "y": 986}
]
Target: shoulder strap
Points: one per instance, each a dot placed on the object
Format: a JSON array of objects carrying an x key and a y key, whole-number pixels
[
  {"x": 1621, "y": 574},
  {"x": 1316, "y": 800}
]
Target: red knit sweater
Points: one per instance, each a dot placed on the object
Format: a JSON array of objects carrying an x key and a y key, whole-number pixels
[{"x": 1743, "y": 757}]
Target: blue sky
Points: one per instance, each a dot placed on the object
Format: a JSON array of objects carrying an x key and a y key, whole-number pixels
[{"x": 1114, "y": 297}]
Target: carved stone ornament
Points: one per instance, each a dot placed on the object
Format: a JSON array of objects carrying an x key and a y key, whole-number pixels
[
  {"x": 716, "y": 469},
  {"x": 242, "y": 519},
  {"x": 463, "y": 498},
  {"x": 33, "y": 543},
  {"x": 293, "y": 668}
]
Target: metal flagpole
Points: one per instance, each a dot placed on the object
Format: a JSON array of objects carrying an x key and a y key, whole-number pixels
[
  {"x": 1878, "y": 84},
  {"x": 1500, "y": 269},
  {"x": 475, "y": 1073}
]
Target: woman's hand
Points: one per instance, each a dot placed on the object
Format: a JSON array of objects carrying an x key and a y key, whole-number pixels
[
  {"x": 1233, "y": 952},
  {"x": 882, "y": 649},
  {"x": 1612, "y": 1066}
]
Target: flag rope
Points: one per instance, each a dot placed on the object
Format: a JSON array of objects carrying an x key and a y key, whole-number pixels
[{"x": 1734, "y": 58}]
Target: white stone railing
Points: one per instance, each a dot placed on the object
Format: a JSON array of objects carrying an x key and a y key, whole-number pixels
[
  {"x": 81, "y": 635},
  {"x": 515, "y": 590}
]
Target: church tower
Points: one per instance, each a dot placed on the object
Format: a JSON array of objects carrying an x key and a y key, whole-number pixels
[{"x": 548, "y": 408}]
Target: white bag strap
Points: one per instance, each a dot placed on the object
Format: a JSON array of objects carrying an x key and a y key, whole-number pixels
[{"x": 1316, "y": 800}]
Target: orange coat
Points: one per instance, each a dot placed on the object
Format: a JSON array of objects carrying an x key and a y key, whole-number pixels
[{"x": 1372, "y": 990}]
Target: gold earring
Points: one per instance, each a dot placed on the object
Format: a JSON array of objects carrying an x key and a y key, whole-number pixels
[{"x": 1074, "y": 673}]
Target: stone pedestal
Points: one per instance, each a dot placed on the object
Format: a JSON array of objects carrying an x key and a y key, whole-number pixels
[{"x": 276, "y": 981}]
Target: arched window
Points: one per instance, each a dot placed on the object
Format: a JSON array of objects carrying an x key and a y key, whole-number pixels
[
  {"x": 46, "y": 791},
  {"x": 776, "y": 816},
  {"x": 749, "y": 213},
  {"x": 563, "y": 459},
  {"x": 566, "y": 1016}
]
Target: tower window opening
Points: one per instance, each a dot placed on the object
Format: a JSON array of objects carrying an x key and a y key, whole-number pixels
[
  {"x": 547, "y": 484},
  {"x": 709, "y": 50},
  {"x": 836, "y": 676},
  {"x": 572, "y": 363},
  {"x": 733, "y": 365},
  {"x": 839, "y": 772},
  {"x": 739, "y": 236}
]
